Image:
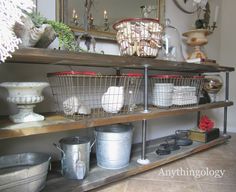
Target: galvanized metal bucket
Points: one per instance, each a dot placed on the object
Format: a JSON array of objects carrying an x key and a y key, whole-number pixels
[
  {"x": 75, "y": 156},
  {"x": 23, "y": 172},
  {"x": 113, "y": 146}
]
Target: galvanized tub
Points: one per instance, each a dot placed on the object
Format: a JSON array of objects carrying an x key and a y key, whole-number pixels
[
  {"x": 75, "y": 156},
  {"x": 113, "y": 146},
  {"x": 25, "y": 172}
]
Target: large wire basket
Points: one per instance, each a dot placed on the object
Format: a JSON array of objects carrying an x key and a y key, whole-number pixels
[
  {"x": 80, "y": 95},
  {"x": 175, "y": 90}
]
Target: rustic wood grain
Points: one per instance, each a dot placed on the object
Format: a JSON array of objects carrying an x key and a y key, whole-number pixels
[
  {"x": 57, "y": 123},
  {"x": 59, "y": 57}
]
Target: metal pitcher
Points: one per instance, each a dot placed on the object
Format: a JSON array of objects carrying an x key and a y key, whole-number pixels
[{"x": 75, "y": 156}]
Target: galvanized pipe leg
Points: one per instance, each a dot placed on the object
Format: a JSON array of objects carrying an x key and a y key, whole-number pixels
[
  {"x": 198, "y": 117},
  {"x": 226, "y": 108},
  {"x": 144, "y": 127},
  {"x": 143, "y": 159},
  {"x": 145, "y": 95}
]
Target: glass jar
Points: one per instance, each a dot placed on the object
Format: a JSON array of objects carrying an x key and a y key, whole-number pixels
[
  {"x": 171, "y": 44},
  {"x": 212, "y": 85}
]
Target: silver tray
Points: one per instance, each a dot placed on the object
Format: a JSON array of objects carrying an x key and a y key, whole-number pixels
[{"x": 25, "y": 172}]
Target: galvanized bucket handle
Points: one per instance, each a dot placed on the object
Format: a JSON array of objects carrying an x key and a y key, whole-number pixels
[
  {"x": 59, "y": 148},
  {"x": 91, "y": 146},
  {"x": 63, "y": 157}
]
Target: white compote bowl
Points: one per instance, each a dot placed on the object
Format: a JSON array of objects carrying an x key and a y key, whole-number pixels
[{"x": 25, "y": 95}]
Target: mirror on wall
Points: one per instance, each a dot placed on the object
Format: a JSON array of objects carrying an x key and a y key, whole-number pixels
[{"x": 104, "y": 13}]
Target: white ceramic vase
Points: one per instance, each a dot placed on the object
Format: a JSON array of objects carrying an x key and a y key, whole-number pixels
[{"x": 25, "y": 95}]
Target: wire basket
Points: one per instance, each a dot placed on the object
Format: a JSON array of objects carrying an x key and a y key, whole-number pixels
[
  {"x": 175, "y": 90},
  {"x": 82, "y": 95},
  {"x": 139, "y": 36}
]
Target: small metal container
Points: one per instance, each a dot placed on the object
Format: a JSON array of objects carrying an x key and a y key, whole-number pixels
[
  {"x": 113, "y": 146},
  {"x": 75, "y": 156},
  {"x": 25, "y": 172}
]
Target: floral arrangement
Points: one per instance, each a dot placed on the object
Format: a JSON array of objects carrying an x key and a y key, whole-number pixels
[
  {"x": 11, "y": 12},
  {"x": 205, "y": 124}
]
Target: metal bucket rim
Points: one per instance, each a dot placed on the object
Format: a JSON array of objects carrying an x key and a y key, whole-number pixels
[
  {"x": 117, "y": 128},
  {"x": 74, "y": 140}
]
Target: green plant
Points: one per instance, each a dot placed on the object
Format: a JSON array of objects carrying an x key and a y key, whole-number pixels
[
  {"x": 65, "y": 35},
  {"x": 36, "y": 18}
]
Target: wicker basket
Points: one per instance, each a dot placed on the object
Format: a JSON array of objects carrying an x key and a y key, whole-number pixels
[
  {"x": 139, "y": 36},
  {"x": 82, "y": 95}
]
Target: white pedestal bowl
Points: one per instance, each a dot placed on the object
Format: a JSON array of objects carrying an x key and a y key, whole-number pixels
[{"x": 25, "y": 95}]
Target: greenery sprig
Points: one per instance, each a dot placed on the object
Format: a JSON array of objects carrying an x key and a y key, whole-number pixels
[{"x": 65, "y": 35}]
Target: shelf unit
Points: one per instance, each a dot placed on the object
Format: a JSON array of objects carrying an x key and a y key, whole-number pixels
[{"x": 57, "y": 123}]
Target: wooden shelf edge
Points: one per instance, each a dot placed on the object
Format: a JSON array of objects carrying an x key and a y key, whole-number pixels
[
  {"x": 62, "y": 57},
  {"x": 57, "y": 123},
  {"x": 133, "y": 169}
]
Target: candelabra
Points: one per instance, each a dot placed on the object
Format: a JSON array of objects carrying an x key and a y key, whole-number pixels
[
  {"x": 202, "y": 24},
  {"x": 75, "y": 19},
  {"x": 212, "y": 27},
  {"x": 147, "y": 10},
  {"x": 90, "y": 22},
  {"x": 106, "y": 23}
]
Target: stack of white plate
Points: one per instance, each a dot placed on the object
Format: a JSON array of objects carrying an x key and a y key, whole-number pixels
[
  {"x": 162, "y": 94},
  {"x": 184, "y": 95}
]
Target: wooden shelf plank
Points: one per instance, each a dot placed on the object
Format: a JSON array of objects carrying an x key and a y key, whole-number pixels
[
  {"x": 56, "y": 123},
  {"x": 60, "y": 57},
  {"x": 98, "y": 176}
]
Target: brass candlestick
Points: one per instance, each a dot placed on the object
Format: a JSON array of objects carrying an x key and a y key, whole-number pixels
[
  {"x": 106, "y": 25},
  {"x": 75, "y": 18}
]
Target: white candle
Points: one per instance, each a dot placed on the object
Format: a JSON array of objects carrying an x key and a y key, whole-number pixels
[
  {"x": 216, "y": 13},
  {"x": 105, "y": 14},
  {"x": 73, "y": 14}
]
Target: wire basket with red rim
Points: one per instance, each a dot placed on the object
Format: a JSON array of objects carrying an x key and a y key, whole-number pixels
[
  {"x": 80, "y": 95},
  {"x": 175, "y": 90},
  {"x": 139, "y": 36}
]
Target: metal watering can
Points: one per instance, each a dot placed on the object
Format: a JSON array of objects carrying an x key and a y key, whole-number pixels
[{"x": 75, "y": 156}]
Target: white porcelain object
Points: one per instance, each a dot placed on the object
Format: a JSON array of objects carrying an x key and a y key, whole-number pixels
[
  {"x": 71, "y": 105},
  {"x": 184, "y": 95},
  {"x": 164, "y": 87},
  {"x": 162, "y": 94},
  {"x": 113, "y": 99},
  {"x": 162, "y": 99},
  {"x": 84, "y": 110},
  {"x": 25, "y": 95}
]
